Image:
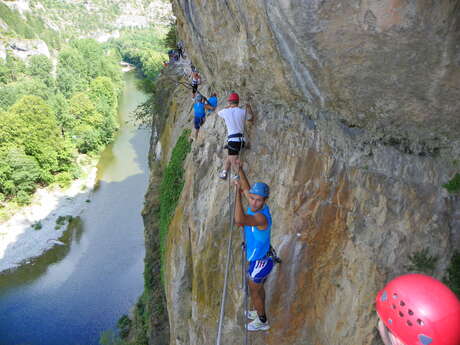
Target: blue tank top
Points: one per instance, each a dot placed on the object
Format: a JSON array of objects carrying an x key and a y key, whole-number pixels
[
  {"x": 199, "y": 109},
  {"x": 258, "y": 241},
  {"x": 213, "y": 101}
]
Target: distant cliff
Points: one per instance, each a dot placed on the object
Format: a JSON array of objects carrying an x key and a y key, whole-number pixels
[
  {"x": 357, "y": 130},
  {"x": 40, "y": 27}
]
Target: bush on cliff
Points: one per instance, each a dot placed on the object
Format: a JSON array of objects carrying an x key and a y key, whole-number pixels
[
  {"x": 453, "y": 186},
  {"x": 171, "y": 187},
  {"x": 452, "y": 278}
]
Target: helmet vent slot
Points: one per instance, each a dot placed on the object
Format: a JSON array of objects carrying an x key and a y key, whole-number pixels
[
  {"x": 411, "y": 313},
  {"x": 420, "y": 322},
  {"x": 409, "y": 323},
  {"x": 401, "y": 314}
]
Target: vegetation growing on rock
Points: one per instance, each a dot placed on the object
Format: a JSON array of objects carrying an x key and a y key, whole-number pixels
[
  {"x": 453, "y": 273},
  {"x": 453, "y": 186}
]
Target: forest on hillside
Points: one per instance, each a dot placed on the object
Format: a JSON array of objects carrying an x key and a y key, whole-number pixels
[{"x": 49, "y": 115}]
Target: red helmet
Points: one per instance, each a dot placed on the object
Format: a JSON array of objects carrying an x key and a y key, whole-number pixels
[
  {"x": 420, "y": 310},
  {"x": 234, "y": 97}
]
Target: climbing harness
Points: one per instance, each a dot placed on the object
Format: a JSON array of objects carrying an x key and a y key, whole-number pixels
[{"x": 272, "y": 254}]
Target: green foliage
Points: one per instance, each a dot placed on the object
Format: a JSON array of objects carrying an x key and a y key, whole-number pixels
[
  {"x": 64, "y": 179},
  {"x": 103, "y": 94},
  {"x": 71, "y": 72},
  {"x": 452, "y": 278},
  {"x": 171, "y": 186},
  {"x": 45, "y": 119},
  {"x": 22, "y": 198},
  {"x": 15, "y": 22},
  {"x": 453, "y": 186},
  {"x": 11, "y": 69},
  {"x": 170, "y": 41},
  {"x": 29, "y": 27},
  {"x": 12, "y": 92},
  {"x": 144, "y": 113},
  {"x": 18, "y": 171},
  {"x": 422, "y": 262},
  {"x": 124, "y": 324},
  {"x": 86, "y": 126},
  {"x": 144, "y": 49},
  {"x": 40, "y": 66},
  {"x": 37, "y": 225},
  {"x": 109, "y": 337},
  {"x": 31, "y": 148},
  {"x": 62, "y": 220},
  {"x": 31, "y": 124}
]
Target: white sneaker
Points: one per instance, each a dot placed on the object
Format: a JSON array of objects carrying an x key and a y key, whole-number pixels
[
  {"x": 223, "y": 175},
  {"x": 258, "y": 325},
  {"x": 251, "y": 314},
  {"x": 235, "y": 177}
]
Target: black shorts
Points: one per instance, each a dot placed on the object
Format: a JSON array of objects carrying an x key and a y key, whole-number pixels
[
  {"x": 194, "y": 88},
  {"x": 234, "y": 147}
]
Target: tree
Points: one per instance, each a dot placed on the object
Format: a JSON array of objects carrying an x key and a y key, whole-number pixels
[
  {"x": 18, "y": 171},
  {"x": 40, "y": 66},
  {"x": 102, "y": 93},
  {"x": 60, "y": 106},
  {"x": 86, "y": 133},
  {"x": 32, "y": 124},
  {"x": 92, "y": 54},
  {"x": 170, "y": 41},
  {"x": 71, "y": 72},
  {"x": 13, "y": 91}
]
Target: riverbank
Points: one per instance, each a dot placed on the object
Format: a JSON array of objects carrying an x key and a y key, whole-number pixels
[{"x": 34, "y": 229}]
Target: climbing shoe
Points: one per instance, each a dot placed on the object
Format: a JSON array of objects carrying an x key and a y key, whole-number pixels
[
  {"x": 223, "y": 174},
  {"x": 258, "y": 325},
  {"x": 251, "y": 314},
  {"x": 235, "y": 177}
]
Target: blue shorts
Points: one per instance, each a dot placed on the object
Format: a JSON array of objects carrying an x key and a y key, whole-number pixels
[
  {"x": 259, "y": 269},
  {"x": 198, "y": 121}
]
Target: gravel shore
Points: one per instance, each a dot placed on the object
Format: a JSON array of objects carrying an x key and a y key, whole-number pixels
[{"x": 20, "y": 241}]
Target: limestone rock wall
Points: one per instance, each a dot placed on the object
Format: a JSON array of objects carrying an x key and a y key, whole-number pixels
[{"x": 356, "y": 130}]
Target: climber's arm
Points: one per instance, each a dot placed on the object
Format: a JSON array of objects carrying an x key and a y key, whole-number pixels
[
  {"x": 250, "y": 112},
  {"x": 244, "y": 183}
]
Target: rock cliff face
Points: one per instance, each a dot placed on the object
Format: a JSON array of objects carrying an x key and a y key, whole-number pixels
[{"x": 356, "y": 130}]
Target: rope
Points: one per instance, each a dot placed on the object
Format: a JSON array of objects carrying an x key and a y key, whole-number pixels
[
  {"x": 227, "y": 266},
  {"x": 246, "y": 295},
  {"x": 244, "y": 260}
]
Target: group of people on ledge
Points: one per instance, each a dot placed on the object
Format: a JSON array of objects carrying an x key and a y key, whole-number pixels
[{"x": 413, "y": 309}]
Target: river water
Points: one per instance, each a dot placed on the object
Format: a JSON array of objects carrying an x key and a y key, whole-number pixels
[{"x": 74, "y": 292}]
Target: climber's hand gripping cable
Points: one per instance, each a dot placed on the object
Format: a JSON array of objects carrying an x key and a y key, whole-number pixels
[{"x": 241, "y": 218}]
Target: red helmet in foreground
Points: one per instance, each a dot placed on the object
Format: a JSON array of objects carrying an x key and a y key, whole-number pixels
[
  {"x": 420, "y": 310},
  {"x": 234, "y": 97}
]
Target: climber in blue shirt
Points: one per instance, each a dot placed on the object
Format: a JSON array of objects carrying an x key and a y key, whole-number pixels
[
  {"x": 200, "y": 113},
  {"x": 212, "y": 101},
  {"x": 257, "y": 223}
]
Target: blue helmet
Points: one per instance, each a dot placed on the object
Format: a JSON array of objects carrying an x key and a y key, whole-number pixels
[{"x": 261, "y": 189}]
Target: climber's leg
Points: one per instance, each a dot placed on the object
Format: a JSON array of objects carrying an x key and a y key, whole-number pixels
[{"x": 257, "y": 292}]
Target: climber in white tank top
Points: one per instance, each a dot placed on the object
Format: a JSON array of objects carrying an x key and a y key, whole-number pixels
[{"x": 235, "y": 118}]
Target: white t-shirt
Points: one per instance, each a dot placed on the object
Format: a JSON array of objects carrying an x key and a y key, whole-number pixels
[{"x": 234, "y": 119}]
